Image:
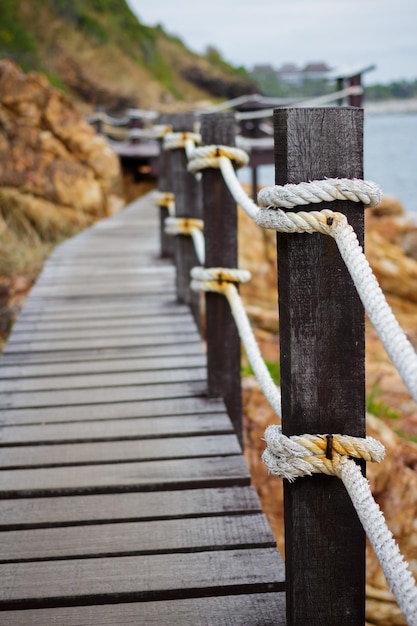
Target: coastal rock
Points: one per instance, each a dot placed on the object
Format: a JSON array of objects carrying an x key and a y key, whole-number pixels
[{"x": 52, "y": 162}]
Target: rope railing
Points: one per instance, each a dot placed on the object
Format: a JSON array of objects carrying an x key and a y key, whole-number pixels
[{"x": 306, "y": 454}]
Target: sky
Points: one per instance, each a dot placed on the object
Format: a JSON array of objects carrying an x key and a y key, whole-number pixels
[{"x": 341, "y": 33}]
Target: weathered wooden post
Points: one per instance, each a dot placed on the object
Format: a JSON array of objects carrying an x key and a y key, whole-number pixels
[
  {"x": 220, "y": 230},
  {"x": 165, "y": 187},
  {"x": 188, "y": 203},
  {"x": 322, "y": 370},
  {"x": 356, "y": 99}
]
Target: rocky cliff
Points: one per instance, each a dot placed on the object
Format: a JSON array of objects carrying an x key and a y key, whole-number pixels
[{"x": 100, "y": 53}]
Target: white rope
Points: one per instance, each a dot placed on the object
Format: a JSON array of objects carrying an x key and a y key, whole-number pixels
[
  {"x": 396, "y": 343},
  {"x": 191, "y": 227},
  {"x": 221, "y": 280},
  {"x": 396, "y": 570},
  {"x": 176, "y": 140},
  {"x": 233, "y": 184},
  {"x": 208, "y": 157},
  {"x": 301, "y": 455},
  {"x": 327, "y": 190},
  {"x": 304, "y": 455}
]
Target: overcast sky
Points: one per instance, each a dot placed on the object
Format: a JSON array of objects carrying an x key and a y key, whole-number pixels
[{"x": 338, "y": 32}]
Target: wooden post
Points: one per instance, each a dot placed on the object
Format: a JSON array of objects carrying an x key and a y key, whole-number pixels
[
  {"x": 322, "y": 371},
  {"x": 188, "y": 203},
  {"x": 356, "y": 100},
  {"x": 165, "y": 185},
  {"x": 220, "y": 229}
]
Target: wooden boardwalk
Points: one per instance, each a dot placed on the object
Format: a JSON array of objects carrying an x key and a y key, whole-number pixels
[{"x": 125, "y": 498}]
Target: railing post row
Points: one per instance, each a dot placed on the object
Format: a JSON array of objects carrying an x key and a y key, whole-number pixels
[
  {"x": 164, "y": 185},
  {"x": 188, "y": 203},
  {"x": 220, "y": 231},
  {"x": 322, "y": 370}
]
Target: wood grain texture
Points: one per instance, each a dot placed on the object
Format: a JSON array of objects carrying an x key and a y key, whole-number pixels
[
  {"x": 110, "y": 477},
  {"x": 116, "y": 507},
  {"x": 140, "y": 578},
  {"x": 220, "y": 230},
  {"x": 128, "y": 538},
  {"x": 322, "y": 369},
  {"x": 266, "y": 609},
  {"x": 120, "y": 412},
  {"x": 111, "y": 451},
  {"x": 188, "y": 203}
]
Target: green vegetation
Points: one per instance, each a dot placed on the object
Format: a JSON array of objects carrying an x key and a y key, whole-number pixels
[
  {"x": 15, "y": 40},
  {"x": 270, "y": 85},
  {"x": 274, "y": 368},
  {"x": 376, "y": 407},
  {"x": 105, "y": 26},
  {"x": 397, "y": 89}
]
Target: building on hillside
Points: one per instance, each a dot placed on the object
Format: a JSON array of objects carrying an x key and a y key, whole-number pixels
[{"x": 290, "y": 73}]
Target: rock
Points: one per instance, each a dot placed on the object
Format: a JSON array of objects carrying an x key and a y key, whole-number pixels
[{"x": 50, "y": 158}]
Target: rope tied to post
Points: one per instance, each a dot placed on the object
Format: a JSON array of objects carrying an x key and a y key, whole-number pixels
[
  {"x": 335, "y": 224},
  {"x": 178, "y": 140},
  {"x": 182, "y": 225},
  {"x": 211, "y": 157},
  {"x": 217, "y": 279},
  {"x": 326, "y": 190},
  {"x": 303, "y": 455}
]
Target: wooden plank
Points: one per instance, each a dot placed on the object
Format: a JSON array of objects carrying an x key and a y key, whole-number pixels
[
  {"x": 102, "y": 342},
  {"x": 322, "y": 370},
  {"x": 145, "y": 320},
  {"x": 142, "y": 476},
  {"x": 128, "y": 538},
  {"x": 124, "y": 307},
  {"x": 113, "y": 330},
  {"x": 117, "y": 451},
  {"x": 117, "y": 411},
  {"x": 256, "y": 609},
  {"x": 94, "y": 395},
  {"x": 41, "y": 432},
  {"x": 114, "y": 379},
  {"x": 121, "y": 579},
  {"x": 102, "y": 290},
  {"x": 114, "y": 507},
  {"x": 186, "y": 347},
  {"x": 75, "y": 271},
  {"x": 15, "y": 377}
]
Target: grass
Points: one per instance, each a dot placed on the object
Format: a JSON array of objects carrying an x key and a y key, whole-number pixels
[
  {"x": 376, "y": 407},
  {"x": 274, "y": 369}
]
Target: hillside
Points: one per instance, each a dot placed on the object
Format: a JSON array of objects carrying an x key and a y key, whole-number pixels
[{"x": 100, "y": 53}]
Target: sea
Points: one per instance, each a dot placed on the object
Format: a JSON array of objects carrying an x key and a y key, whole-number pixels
[{"x": 390, "y": 157}]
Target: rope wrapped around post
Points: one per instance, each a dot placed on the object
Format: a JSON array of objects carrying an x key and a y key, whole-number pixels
[
  {"x": 336, "y": 225},
  {"x": 224, "y": 280},
  {"x": 303, "y": 455},
  {"x": 166, "y": 199},
  {"x": 191, "y": 227}
]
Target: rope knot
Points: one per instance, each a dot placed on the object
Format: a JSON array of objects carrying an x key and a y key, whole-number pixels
[
  {"x": 182, "y": 225},
  {"x": 217, "y": 279},
  {"x": 174, "y": 141},
  {"x": 210, "y": 157},
  {"x": 304, "y": 455},
  {"x": 327, "y": 190}
]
